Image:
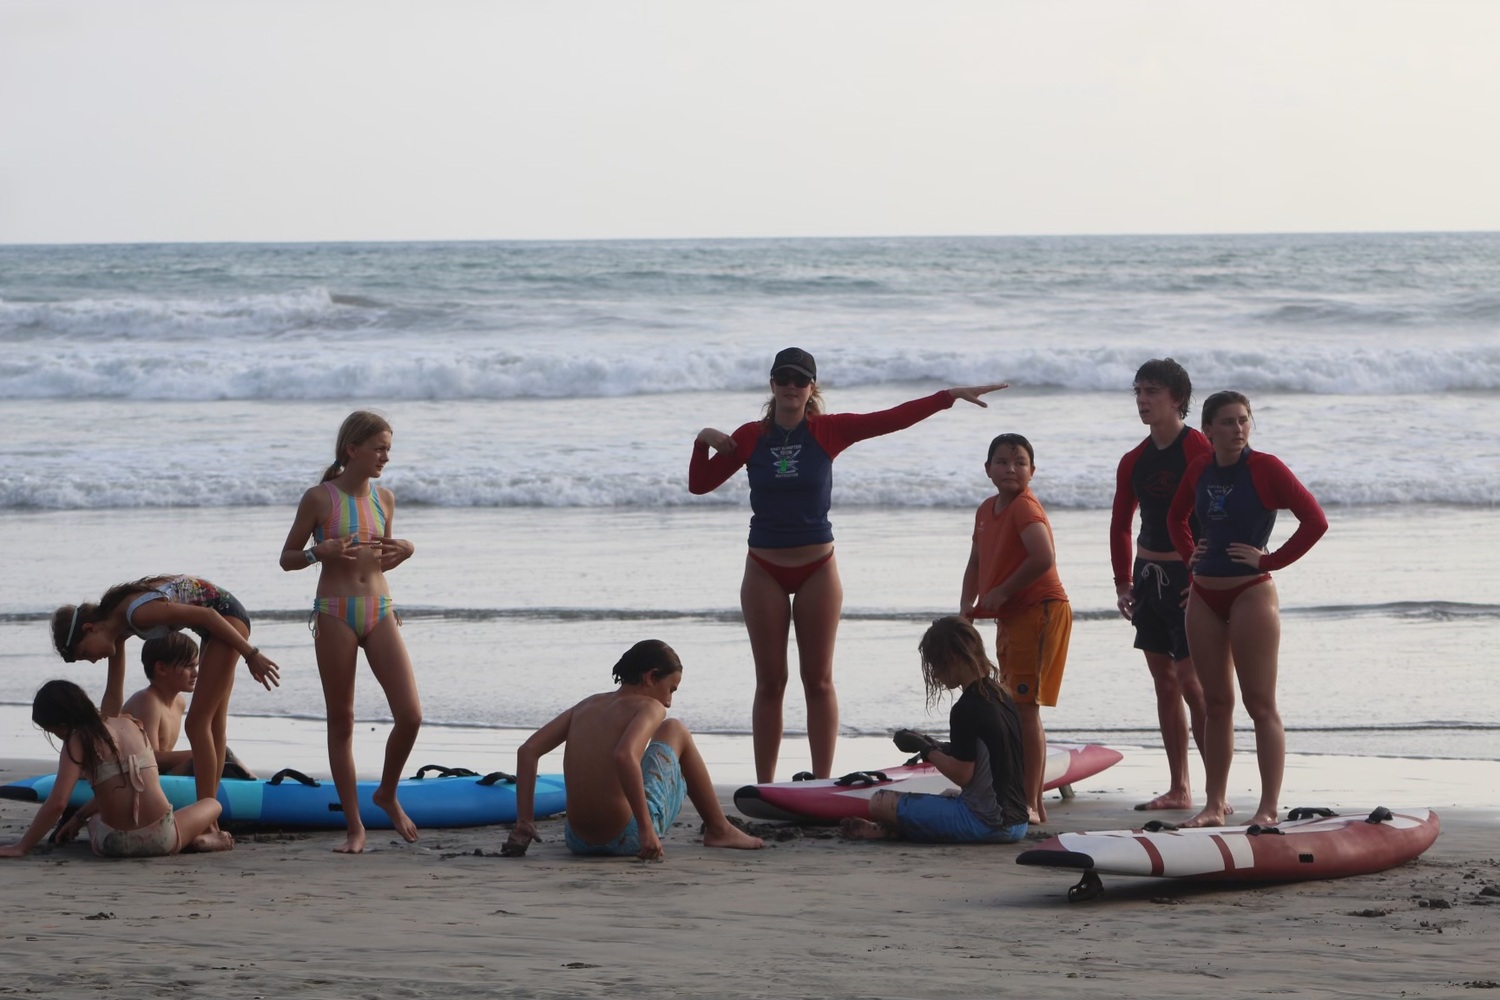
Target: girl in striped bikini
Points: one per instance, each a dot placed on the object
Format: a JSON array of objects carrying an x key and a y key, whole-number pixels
[{"x": 349, "y": 520}]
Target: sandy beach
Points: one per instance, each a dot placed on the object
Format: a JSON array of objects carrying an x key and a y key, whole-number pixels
[{"x": 808, "y": 916}]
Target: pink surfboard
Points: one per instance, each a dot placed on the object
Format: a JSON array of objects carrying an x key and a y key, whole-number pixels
[{"x": 829, "y": 800}]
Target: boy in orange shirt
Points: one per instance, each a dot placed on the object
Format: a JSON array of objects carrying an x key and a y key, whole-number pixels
[{"x": 1012, "y": 577}]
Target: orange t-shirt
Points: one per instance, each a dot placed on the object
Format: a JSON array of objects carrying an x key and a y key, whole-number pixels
[{"x": 997, "y": 539}]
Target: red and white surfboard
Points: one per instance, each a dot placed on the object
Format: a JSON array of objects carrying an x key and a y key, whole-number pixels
[
  {"x": 1310, "y": 844},
  {"x": 833, "y": 799}
]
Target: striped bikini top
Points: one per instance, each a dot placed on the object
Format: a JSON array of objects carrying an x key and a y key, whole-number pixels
[{"x": 362, "y": 516}]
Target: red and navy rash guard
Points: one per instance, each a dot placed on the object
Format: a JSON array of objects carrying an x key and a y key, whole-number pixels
[
  {"x": 1238, "y": 503},
  {"x": 1148, "y": 476},
  {"x": 791, "y": 472}
]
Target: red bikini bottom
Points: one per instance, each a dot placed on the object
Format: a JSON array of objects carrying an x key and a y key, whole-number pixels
[
  {"x": 792, "y": 577},
  {"x": 1220, "y": 601}
]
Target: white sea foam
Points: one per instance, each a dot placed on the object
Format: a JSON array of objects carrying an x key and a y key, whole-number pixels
[
  {"x": 189, "y": 486},
  {"x": 284, "y": 368},
  {"x": 148, "y": 318},
  {"x": 560, "y": 375}
]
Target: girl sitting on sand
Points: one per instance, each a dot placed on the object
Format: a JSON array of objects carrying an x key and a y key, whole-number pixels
[
  {"x": 983, "y": 759},
  {"x": 129, "y": 815},
  {"x": 150, "y": 608}
]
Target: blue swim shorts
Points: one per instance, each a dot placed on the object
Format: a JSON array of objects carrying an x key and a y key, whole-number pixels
[
  {"x": 944, "y": 819},
  {"x": 665, "y": 790}
]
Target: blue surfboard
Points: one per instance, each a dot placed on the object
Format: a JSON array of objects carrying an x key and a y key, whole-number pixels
[{"x": 433, "y": 797}]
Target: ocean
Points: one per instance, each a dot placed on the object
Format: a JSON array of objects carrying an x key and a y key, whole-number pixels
[{"x": 164, "y": 407}]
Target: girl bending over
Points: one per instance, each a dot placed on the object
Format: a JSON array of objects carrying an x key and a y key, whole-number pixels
[{"x": 150, "y": 608}]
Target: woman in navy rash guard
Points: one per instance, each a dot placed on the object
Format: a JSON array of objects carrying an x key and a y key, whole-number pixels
[
  {"x": 1233, "y": 621},
  {"x": 789, "y": 455}
]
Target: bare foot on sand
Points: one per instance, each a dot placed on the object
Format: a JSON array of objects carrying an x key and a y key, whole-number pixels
[
  {"x": 1036, "y": 817},
  {"x": 515, "y": 845},
  {"x": 854, "y": 828},
  {"x": 1168, "y": 800},
  {"x": 399, "y": 819},
  {"x": 354, "y": 843},
  {"x": 1210, "y": 816},
  {"x": 207, "y": 843},
  {"x": 730, "y": 836}
]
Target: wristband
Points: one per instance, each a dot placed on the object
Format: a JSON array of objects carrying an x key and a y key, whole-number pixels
[{"x": 311, "y": 555}]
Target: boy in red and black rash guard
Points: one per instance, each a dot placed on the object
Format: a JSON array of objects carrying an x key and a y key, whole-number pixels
[
  {"x": 1148, "y": 477},
  {"x": 1150, "y": 590}
]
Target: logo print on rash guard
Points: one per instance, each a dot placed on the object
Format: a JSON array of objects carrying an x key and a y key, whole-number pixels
[
  {"x": 1218, "y": 498},
  {"x": 786, "y": 460},
  {"x": 1162, "y": 484}
]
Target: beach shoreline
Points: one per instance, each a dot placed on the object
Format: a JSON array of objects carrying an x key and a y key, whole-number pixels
[
  {"x": 268, "y": 744},
  {"x": 810, "y": 915}
]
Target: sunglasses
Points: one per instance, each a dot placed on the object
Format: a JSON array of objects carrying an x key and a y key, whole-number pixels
[{"x": 787, "y": 377}]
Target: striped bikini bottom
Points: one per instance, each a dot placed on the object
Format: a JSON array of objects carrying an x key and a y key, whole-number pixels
[{"x": 361, "y": 614}]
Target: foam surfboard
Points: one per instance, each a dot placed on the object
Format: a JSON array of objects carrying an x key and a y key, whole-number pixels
[
  {"x": 1309, "y": 844},
  {"x": 832, "y": 799},
  {"x": 434, "y": 797}
]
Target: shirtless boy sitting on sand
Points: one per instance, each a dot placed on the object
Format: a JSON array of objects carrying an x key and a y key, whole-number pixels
[
  {"x": 171, "y": 665},
  {"x": 626, "y": 766}
]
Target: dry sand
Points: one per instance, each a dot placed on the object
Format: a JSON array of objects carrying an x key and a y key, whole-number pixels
[{"x": 809, "y": 916}]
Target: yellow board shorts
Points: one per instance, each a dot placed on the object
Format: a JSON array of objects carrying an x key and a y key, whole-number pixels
[{"x": 1032, "y": 649}]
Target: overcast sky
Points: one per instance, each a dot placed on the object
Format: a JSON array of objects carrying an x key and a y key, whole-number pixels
[{"x": 238, "y": 120}]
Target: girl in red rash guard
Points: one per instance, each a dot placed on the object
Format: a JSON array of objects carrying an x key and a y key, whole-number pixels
[{"x": 1233, "y": 623}]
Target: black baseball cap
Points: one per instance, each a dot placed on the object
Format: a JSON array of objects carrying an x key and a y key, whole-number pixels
[{"x": 797, "y": 360}]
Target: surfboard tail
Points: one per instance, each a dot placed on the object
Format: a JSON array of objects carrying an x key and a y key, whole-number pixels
[{"x": 1055, "y": 859}]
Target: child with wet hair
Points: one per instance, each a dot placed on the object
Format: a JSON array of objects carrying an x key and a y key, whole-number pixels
[
  {"x": 983, "y": 756},
  {"x": 156, "y": 606}
]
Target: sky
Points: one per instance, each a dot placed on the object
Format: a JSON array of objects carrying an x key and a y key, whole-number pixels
[{"x": 267, "y": 120}]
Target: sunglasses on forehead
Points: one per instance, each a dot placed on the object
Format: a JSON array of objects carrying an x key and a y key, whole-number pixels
[{"x": 788, "y": 377}]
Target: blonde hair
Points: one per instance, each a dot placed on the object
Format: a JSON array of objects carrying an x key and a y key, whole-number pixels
[
  {"x": 814, "y": 406},
  {"x": 357, "y": 428}
]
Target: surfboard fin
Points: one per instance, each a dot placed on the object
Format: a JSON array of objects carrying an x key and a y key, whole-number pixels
[{"x": 1088, "y": 887}]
